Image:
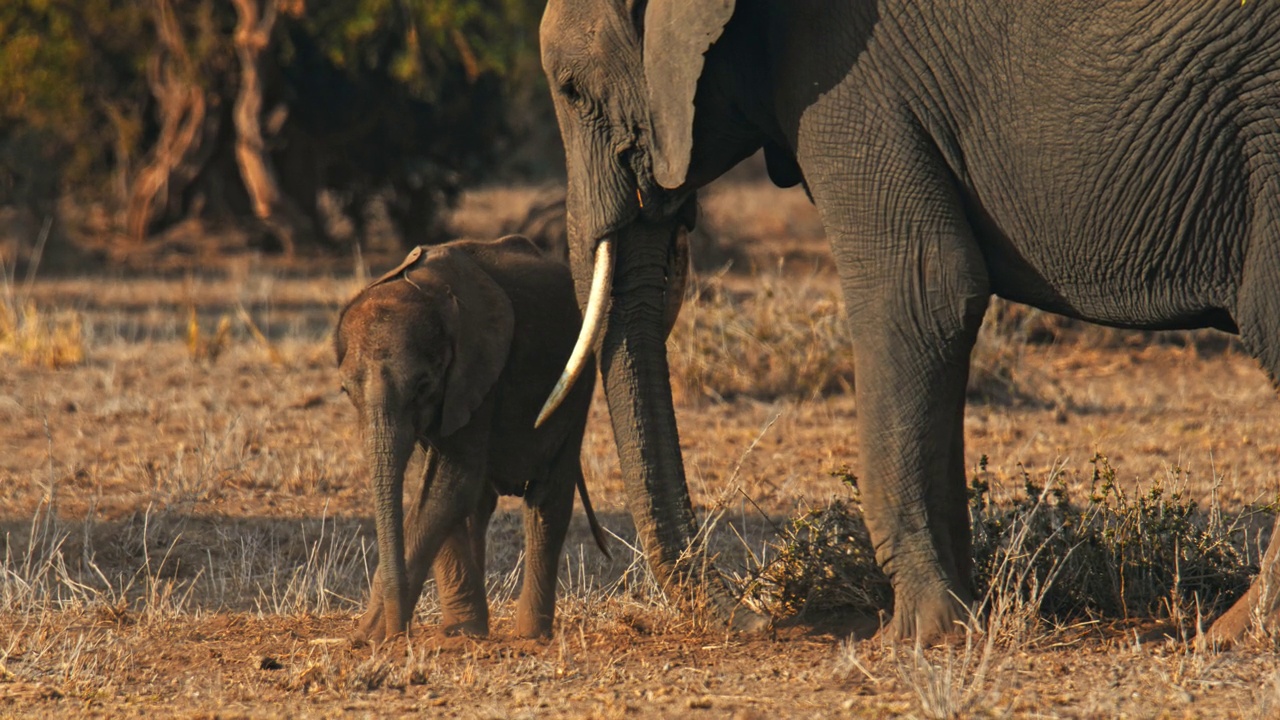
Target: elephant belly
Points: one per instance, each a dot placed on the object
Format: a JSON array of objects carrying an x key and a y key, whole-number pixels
[
  {"x": 1156, "y": 242},
  {"x": 1134, "y": 301},
  {"x": 512, "y": 471},
  {"x": 1118, "y": 180}
]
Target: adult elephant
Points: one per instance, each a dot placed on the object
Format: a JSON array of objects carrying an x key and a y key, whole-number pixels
[{"x": 1116, "y": 161}]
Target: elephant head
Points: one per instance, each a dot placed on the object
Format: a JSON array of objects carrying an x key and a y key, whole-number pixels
[
  {"x": 418, "y": 352},
  {"x": 624, "y": 79}
]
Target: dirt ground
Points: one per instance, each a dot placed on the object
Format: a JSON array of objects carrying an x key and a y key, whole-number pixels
[{"x": 186, "y": 528}]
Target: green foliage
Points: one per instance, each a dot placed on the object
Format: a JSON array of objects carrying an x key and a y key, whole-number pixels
[
  {"x": 417, "y": 39},
  {"x": 824, "y": 562},
  {"x": 380, "y": 98},
  {"x": 72, "y": 89}
]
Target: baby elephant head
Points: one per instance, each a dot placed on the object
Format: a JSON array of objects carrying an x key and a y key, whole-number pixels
[
  {"x": 418, "y": 352},
  {"x": 421, "y": 348}
]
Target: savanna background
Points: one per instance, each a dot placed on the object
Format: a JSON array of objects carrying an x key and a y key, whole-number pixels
[{"x": 191, "y": 189}]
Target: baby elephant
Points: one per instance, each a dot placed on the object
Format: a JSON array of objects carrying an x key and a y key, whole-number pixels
[{"x": 456, "y": 349}]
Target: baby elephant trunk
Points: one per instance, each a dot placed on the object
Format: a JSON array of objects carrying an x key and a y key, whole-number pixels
[{"x": 388, "y": 445}]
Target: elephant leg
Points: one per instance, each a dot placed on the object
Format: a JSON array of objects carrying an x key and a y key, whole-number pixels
[
  {"x": 546, "y": 522},
  {"x": 912, "y": 487},
  {"x": 452, "y": 488},
  {"x": 916, "y": 288},
  {"x": 371, "y": 624},
  {"x": 459, "y": 573},
  {"x": 954, "y": 503}
]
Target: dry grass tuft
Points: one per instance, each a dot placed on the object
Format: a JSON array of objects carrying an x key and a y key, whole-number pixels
[
  {"x": 39, "y": 339},
  {"x": 778, "y": 339},
  {"x": 202, "y": 347},
  {"x": 949, "y": 682},
  {"x": 159, "y": 566},
  {"x": 782, "y": 338}
]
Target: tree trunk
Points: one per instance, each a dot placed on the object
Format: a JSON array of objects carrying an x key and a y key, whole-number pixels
[
  {"x": 281, "y": 217},
  {"x": 182, "y": 107}
]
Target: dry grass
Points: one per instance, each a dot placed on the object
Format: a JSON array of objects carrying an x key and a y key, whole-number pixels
[
  {"x": 41, "y": 339},
  {"x": 785, "y": 336},
  {"x": 186, "y": 537},
  {"x": 775, "y": 339}
]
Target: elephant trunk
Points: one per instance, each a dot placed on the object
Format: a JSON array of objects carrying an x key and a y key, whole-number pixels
[
  {"x": 388, "y": 445},
  {"x": 633, "y": 362}
]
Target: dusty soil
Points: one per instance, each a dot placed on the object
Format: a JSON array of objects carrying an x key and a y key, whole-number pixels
[{"x": 186, "y": 527}]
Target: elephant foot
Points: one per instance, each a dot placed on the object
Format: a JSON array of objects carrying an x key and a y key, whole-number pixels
[
  {"x": 1257, "y": 614},
  {"x": 1258, "y": 611},
  {"x": 534, "y": 627},
  {"x": 934, "y": 617},
  {"x": 372, "y": 627},
  {"x": 471, "y": 627},
  {"x": 724, "y": 605}
]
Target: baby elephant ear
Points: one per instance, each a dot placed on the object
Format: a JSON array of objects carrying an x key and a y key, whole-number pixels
[{"x": 483, "y": 326}]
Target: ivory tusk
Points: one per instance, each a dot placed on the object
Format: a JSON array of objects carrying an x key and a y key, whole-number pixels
[{"x": 592, "y": 324}]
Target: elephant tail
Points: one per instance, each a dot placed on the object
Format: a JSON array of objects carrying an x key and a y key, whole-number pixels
[{"x": 596, "y": 531}]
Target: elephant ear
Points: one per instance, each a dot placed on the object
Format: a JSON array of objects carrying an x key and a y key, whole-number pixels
[
  {"x": 482, "y": 323},
  {"x": 677, "y": 33}
]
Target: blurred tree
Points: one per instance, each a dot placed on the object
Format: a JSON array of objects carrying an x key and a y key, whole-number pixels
[
  {"x": 184, "y": 59},
  {"x": 73, "y": 95},
  {"x": 249, "y": 112}
]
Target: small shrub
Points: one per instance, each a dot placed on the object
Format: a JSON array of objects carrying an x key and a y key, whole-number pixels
[
  {"x": 1154, "y": 554},
  {"x": 824, "y": 562},
  {"x": 1114, "y": 555}
]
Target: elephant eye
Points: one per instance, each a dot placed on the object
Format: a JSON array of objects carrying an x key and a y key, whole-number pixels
[
  {"x": 343, "y": 389},
  {"x": 569, "y": 89}
]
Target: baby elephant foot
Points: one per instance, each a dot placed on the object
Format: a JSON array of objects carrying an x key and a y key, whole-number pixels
[
  {"x": 464, "y": 614},
  {"x": 370, "y": 627},
  {"x": 533, "y": 625},
  {"x": 471, "y": 627},
  {"x": 376, "y": 626}
]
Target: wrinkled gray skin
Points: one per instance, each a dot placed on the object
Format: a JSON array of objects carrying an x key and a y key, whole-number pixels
[
  {"x": 1117, "y": 162},
  {"x": 456, "y": 352}
]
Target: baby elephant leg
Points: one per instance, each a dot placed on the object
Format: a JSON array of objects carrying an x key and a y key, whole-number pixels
[
  {"x": 370, "y": 626},
  {"x": 449, "y": 510},
  {"x": 459, "y": 573},
  {"x": 546, "y": 521}
]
